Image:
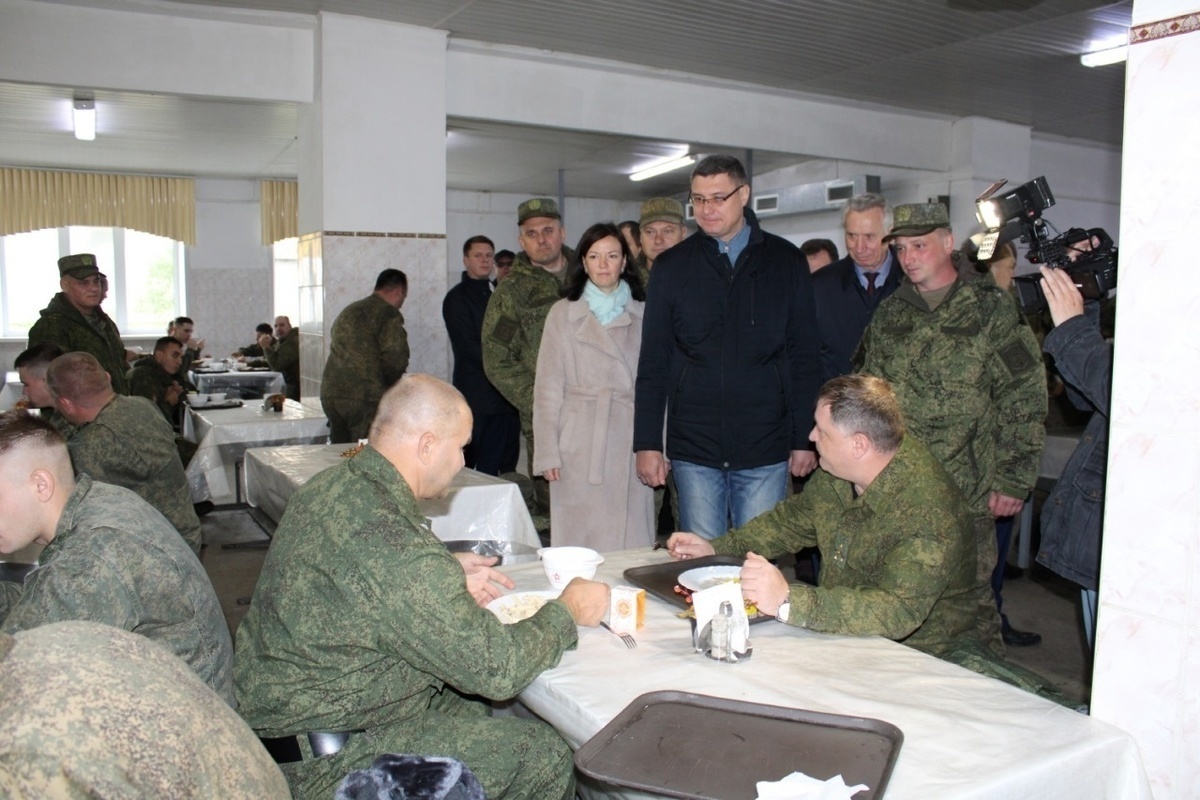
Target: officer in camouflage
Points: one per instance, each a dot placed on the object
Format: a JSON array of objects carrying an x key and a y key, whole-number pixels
[
  {"x": 156, "y": 378},
  {"x": 516, "y": 314},
  {"x": 896, "y": 534},
  {"x": 662, "y": 227},
  {"x": 365, "y": 636},
  {"x": 109, "y": 556},
  {"x": 153, "y": 729},
  {"x": 368, "y": 352},
  {"x": 122, "y": 440},
  {"x": 967, "y": 370},
  {"x": 74, "y": 321},
  {"x": 282, "y": 353}
]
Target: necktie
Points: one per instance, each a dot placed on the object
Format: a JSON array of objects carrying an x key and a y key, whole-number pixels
[{"x": 871, "y": 276}]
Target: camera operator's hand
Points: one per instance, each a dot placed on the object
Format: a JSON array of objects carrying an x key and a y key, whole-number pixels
[{"x": 1062, "y": 296}]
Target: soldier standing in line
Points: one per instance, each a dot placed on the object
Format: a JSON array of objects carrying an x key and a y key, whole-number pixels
[
  {"x": 74, "y": 321},
  {"x": 516, "y": 314},
  {"x": 368, "y": 352}
]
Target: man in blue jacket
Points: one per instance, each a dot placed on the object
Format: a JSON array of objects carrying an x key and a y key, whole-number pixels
[{"x": 730, "y": 357}]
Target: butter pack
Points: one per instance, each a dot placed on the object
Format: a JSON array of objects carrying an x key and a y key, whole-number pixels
[{"x": 626, "y": 609}]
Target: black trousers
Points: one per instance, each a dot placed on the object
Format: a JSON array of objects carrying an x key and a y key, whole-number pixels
[{"x": 495, "y": 443}]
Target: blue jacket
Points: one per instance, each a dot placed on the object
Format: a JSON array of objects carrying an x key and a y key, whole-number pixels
[
  {"x": 1074, "y": 512},
  {"x": 731, "y": 356},
  {"x": 843, "y": 311}
]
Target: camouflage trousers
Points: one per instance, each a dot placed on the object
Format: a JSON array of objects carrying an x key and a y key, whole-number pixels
[
  {"x": 513, "y": 758},
  {"x": 349, "y": 419}
]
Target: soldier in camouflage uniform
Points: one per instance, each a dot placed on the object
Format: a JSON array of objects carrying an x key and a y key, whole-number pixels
[
  {"x": 282, "y": 353},
  {"x": 75, "y": 322},
  {"x": 662, "y": 227},
  {"x": 87, "y": 710},
  {"x": 363, "y": 626},
  {"x": 109, "y": 556},
  {"x": 967, "y": 370},
  {"x": 156, "y": 377},
  {"x": 123, "y": 441},
  {"x": 368, "y": 352},
  {"x": 516, "y": 314},
  {"x": 896, "y": 534}
]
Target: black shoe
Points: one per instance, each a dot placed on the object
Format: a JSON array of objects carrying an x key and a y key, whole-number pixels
[
  {"x": 1015, "y": 638},
  {"x": 203, "y": 507}
]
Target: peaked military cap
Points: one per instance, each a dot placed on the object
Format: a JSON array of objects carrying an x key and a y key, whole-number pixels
[
  {"x": 537, "y": 207},
  {"x": 661, "y": 209},
  {"x": 80, "y": 265},
  {"x": 918, "y": 219}
]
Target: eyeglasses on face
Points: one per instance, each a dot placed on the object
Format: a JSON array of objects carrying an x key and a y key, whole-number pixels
[{"x": 716, "y": 201}]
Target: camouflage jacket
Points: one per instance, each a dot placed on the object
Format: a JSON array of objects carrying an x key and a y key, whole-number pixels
[
  {"x": 148, "y": 379},
  {"x": 970, "y": 382},
  {"x": 361, "y": 616},
  {"x": 284, "y": 357},
  {"x": 152, "y": 730},
  {"x": 642, "y": 267},
  {"x": 129, "y": 444},
  {"x": 898, "y": 560},
  {"x": 368, "y": 351},
  {"x": 512, "y": 330},
  {"x": 116, "y": 560},
  {"x": 62, "y": 324}
]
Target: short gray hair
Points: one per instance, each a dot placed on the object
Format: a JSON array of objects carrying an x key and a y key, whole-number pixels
[
  {"x": 866, "y": 202},
  {"x": 865, "y": 404}
]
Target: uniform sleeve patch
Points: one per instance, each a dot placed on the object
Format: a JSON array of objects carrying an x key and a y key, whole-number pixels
[
  {"x": 1016, "y": 358},
  {"x": 505, "y": 329}
]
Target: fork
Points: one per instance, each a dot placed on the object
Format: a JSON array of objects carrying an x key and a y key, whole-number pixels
[{"x": 629, "y": 641}]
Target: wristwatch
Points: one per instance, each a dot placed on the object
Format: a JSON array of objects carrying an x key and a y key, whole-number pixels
[{"x": 784, "y": 610}]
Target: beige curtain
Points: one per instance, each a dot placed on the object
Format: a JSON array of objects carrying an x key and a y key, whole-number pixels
[
  {"x": 280, "y": 211},
  {"x": 31, "y": 199}
]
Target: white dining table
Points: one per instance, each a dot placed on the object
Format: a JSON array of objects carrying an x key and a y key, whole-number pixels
[
  {"x": 259, "y": 382},
  {"x": 476, "y": 507},
  {"x": 223, "y": 435},
  {"x": 965, "y": 735}
]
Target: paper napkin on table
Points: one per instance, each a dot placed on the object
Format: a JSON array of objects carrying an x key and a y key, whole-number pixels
[
  {"x": 707, "y": 603},
  {"x": 799, "y": 786}
]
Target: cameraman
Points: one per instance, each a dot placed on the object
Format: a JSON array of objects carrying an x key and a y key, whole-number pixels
[{"x": 1074, "y": 512}]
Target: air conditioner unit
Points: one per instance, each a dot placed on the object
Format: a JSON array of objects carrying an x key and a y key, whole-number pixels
[{"x": 812, "y": 197}]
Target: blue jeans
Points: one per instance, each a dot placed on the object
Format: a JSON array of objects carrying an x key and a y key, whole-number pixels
[{"x": 710, "y": 498}]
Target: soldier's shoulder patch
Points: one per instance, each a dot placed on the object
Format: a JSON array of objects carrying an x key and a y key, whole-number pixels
[
  {"x": 505, "y": 329},
  {"x": 1017, "y": 358}
]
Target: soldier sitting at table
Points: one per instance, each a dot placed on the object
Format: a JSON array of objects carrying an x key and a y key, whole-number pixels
[
  {"x": 253, "y": 353},
  {"x": 366, "y": 636},
  {"x": 156, "y": 377},
  {"x": 31, "y": 365},
  {"x": 121, "y": 440},
  {"x": 895, "y": 533},
  {"x": 109, "y": 557}
]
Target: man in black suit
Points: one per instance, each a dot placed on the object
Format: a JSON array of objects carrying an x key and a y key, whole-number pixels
[{"x": 848, "y": 291}]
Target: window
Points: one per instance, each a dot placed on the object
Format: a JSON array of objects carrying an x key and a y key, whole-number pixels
[
  {"x": 145, "y": 276},
  {"x": 286, "y": 275}
]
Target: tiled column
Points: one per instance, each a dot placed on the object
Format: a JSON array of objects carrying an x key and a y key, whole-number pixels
[
  {"x": 1147, "y": 673},
  {"x": 373, "y": 183}
]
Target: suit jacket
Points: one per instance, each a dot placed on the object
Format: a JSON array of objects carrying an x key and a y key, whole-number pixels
[{"x": 843, "y": 311}]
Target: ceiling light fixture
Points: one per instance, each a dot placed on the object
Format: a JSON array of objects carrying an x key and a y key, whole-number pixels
[
  {"x": 1101, "y": 58},
  {"x": 85, "y": 118},
  {"x": 663, "y": 167}
]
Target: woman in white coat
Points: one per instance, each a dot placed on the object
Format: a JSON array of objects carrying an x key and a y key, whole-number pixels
[{"x": 583, "y": 402}]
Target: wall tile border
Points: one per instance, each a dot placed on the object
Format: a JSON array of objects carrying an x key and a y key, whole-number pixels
[
  {"x": 379, "y": 234},
  {"x": 1187, "y": 23}
]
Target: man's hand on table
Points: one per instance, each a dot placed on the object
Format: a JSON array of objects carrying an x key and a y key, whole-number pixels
[
  {"x": 586, "y": 600},
  {"x": 689, "y": 545},
  {"x": 481, "y": 578},
  {"x": 763, "y": 584}
]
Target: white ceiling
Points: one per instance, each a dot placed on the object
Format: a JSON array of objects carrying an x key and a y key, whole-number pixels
[{"x": 1014, "y": 60}]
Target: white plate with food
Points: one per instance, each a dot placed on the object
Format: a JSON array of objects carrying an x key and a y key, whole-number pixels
[
  {"x": 702, "y": 578},
  {"x": 519, "y": 605}
]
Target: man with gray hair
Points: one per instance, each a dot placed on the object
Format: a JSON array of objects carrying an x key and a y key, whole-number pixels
[{"x": 848, "y": 291}]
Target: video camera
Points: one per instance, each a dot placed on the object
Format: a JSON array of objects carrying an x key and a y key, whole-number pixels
[{"x": 1088, "y": 256}]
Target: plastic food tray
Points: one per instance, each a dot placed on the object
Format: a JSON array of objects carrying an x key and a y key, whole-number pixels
[
  {"x": 679, "y": 744},
  {"x": 660, "y": 579}
]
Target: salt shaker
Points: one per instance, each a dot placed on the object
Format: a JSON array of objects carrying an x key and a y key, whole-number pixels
[{"x": 721, "y": 650}]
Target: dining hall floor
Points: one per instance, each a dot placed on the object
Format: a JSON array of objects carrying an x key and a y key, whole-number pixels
[{"x": 1038, "y": 601}]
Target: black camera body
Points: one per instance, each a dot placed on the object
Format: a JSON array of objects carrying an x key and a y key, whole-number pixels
[{"x": 1088, "y": 256}]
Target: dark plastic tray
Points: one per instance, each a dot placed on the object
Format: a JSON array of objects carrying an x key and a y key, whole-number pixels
[
  {"x": 660, "y": 579},
  {"x": 680, "y": 744}
]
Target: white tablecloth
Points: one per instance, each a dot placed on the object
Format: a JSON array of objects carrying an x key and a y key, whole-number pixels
[
  {"x": 477, "y": 507},
  {"x": 965, "y": 736},
  {"x": 261, "y": 383},
  {"x": 224, "y": 434},
  {"x": 12, "y": 391}
]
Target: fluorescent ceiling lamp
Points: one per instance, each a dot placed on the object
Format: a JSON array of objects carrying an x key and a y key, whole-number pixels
[
  {"x": 664, "y": 167},
  {"x": 1101, "y": 58},
  {"x": 85, "y": 120}
]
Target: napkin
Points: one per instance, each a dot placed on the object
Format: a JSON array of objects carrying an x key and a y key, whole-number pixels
[
  {"x": 707, "y": 603},
  {"x": 799, "y": 786}
]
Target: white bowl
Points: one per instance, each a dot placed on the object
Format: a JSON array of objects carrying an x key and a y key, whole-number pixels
[
  {"x": 217, "y": 397},
  {"x": 197, "y": 400},
  {"x": 562, "y": 564}
]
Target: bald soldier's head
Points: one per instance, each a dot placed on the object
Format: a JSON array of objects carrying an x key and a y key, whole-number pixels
[
  {"x": 421, "y": 427},
  {"x": 36, "y": 480},
  {"x": 79, "y": 385}
]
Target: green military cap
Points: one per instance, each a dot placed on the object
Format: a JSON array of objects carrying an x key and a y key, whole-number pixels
[
  {"x": 537, "y": 207},
  {"x": 80, "y": 265},
  {"x": 661, "y": 209},
  {"x": 918, "y": 219}
]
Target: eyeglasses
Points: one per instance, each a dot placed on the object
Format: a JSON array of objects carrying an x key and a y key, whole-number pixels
[{"x": 716, "y": 201}]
